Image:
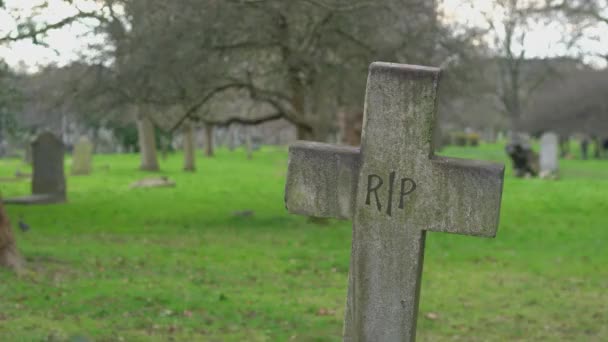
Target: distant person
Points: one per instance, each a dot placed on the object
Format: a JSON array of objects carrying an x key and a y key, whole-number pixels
[
  {"x": 605, "y": 147},
  {"x": 585, "y": 148}
]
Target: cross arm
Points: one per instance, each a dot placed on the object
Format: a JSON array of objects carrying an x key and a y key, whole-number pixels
[
  {"x": 322, "y": 180},
  {"x": 469, "y": 193}
]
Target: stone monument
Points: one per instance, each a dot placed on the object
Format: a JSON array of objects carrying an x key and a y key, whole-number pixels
[
  {"x": 549, "y": 155},
  {"x": 395, "y": 190},
  {"x": 48, "y": 178},
  {"x": 82, "y": 157}
]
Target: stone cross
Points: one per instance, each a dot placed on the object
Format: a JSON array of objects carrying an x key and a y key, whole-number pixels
[
  {"x": 395, "y": 190},
  {"x": 48, "y": 172},
  {"x": 82, "y": 157},
  {"x": 549, "y": 155}
]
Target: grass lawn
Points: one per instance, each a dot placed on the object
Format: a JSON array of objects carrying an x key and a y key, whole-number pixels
[{"x": 116, "y": 264}]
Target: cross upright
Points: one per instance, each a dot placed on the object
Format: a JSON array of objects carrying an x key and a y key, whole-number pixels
[{"x": 395, "y": 190}]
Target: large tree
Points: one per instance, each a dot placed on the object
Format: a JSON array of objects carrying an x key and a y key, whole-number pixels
[{"x": 299, "y": 60}]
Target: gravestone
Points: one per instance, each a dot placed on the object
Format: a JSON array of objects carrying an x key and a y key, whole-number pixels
[
  {"x": 82, "y": 157},
  {"x": 395, "y": 190},
  {"x": 549, "y": 155},
  {"x": 48, "y": 179},
  {"x": 48, "y": 173}
]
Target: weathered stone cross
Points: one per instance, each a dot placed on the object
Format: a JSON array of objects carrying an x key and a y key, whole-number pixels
[{"x": 394, "y": 189}]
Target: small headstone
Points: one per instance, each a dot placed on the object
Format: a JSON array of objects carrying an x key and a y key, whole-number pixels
[
  {"x": 82, "y": 157},
  {"x": 27, "y": 157},
  {"x": 549, "y": 155},
  {"x": 395, "y": 190},
  {"x": 256, "y": 143}
]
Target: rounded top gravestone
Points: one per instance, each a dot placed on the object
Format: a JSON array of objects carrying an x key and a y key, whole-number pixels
[
  {"x": 82, "y": 157},
  {"x": 48, "y": 172},
  {"x": 549, "y": 154}
]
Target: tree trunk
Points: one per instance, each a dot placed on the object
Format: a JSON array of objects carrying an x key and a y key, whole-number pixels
[
  {"x": 147, "y": 144},
  {"x": 232, "y": 136},
  {"x": 9, "y": 255},
  {"x": 248, "y": 143},
  {"x": 189, "y": 149},
  {"x": 209, "y": 140}
]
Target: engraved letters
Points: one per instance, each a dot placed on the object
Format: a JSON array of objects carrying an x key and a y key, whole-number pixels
[
  {"x": 374, "y": 189},
  {"x": 375, "y": 183}
]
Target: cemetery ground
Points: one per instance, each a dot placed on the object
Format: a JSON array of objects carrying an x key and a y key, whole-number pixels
[{"x": 116, "y": 263}]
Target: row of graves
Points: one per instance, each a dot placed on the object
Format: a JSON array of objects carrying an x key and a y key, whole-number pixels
[
  {"x": 393, "y": 187},
  {"x": 48, "y": 175}
]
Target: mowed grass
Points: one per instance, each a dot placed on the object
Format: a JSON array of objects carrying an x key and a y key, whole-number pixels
[{"x": 116, "y": 264}]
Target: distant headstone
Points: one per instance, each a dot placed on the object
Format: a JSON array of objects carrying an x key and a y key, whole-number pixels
[
  {"x": 395, "y": 190},
  {"x": 27, "y": 157},
  {"x": 48, "y": 173},
  {"x": 549, "y": 155},
  {"x": 256, "y": 143},
  {"x": 48, "y": 178},
  {"x": 82, "y": 157}
]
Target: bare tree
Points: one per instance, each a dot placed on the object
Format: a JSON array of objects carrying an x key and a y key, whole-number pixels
[
  {"x": 519, "y": 75},
  {"x": 591, "y": 14},
  {"x": 595, "y": 10},
  {"x": 296, "y": 57},
  {"x": 241, "y": 61}
]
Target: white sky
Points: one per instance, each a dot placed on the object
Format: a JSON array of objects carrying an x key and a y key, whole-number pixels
[{"x": 69, "y": 43}]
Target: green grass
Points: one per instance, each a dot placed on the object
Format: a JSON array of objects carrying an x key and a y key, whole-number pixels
[{"x": 116, "y": 264}]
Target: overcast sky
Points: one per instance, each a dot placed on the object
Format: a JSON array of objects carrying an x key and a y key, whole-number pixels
[{"x": 70, "y": 42}]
